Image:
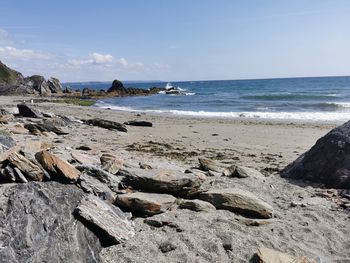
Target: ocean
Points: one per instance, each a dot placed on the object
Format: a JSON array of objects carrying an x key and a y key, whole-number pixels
[{"x": 308, "y": 99}]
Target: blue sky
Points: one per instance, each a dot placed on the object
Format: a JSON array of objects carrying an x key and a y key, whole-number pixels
[{"x": 175, "y": 40}]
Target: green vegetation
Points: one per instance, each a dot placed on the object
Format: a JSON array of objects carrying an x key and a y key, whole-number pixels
[
  {"x": 3, "y": 132},
  {"x": 79, "y": 102},
  {"x": 8, "y": 75}
]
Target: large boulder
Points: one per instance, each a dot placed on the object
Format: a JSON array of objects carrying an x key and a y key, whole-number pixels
[
  {"x": 237, "y": 200},
  {"x": 117, "y": 86},
  {"x": 327, "y": 162},
  {"x": 37, "y": 225},
  {"x": 39, "y": 84},
  {"x": 145, "y": 203},
  {"x": 161, "y": 181},
  {"x": 108, "y": 221},
  {"x": 55, "y": 85}
]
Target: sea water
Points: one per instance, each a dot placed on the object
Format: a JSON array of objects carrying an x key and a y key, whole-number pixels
[{"x": 315, "y": 99}]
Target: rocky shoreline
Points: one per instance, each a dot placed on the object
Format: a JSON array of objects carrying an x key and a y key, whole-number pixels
[{"x": 107, "y": 186}]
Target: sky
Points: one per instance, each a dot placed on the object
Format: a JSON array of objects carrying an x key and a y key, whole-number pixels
[{"x": 168, "y": 40}]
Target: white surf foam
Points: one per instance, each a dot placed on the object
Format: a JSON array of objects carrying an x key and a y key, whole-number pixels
[{"x": 302, "y": 116}]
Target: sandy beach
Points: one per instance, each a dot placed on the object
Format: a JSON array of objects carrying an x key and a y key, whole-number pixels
[{"x": 317, "y": 228}]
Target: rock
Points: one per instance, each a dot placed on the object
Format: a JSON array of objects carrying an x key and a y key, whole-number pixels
[
  {"x": 59, "y": 169},
  {"x": 237, "y": 200},
  {"x": 39, "y": 84},
  {"x": 54, "y": 85},
  {"x": 161, "y": 181},
  {"x": 111, "y": 163},
  {"x": 9, "y": 77},
  {"x": 257, "y": 222},
  {"x": 267, "y": 255},
  {"x": 108, "y": 222},
  {"x": 6, "y": 142},
  {"x": 84, "y": 148},
  {"x": 28, "y": 111},
  {"x": 30, "y": 170},
  {"x": 111, "y": 125},
  {"x": 327, "y": 162},
  {"x": 97, "y": 181},
  {"x": 139, "y": 123},
  {"x": 84, "y": 158},
  {"x": 241, "y": 172},
  {"x": 5, "y": 119},
  {"x": 145, "y": 203},
  {"x": 19, "y": 175},
  {"x": 209, "y": 165},
  {"x": 8, "y": 174},
  {"x": 166, "y": 247},
  {"x": 38, "y": 128},
  {"x": 116, "y": 86},
  {"x": 37, "y": 225},
  {"x": 196, "y": 205}
]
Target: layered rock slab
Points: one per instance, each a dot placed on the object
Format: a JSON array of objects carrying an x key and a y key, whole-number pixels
[{"x": 237, "y": 200}]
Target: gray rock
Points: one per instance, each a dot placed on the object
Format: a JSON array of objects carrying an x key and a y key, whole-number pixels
[
  {"x": 196, "y": 205},
  {"x": 162, "y": 181},
  {"x": 20, "y": 176},
  {"x": 111, "y": 125},
  {"x": 8, "y": 174},
  {"x": 145, "y": 203},
  {"x": 110, "y": 223},
  {"x": 267, "y": 255},
  {"x": 111, "y": 163},
  {"x": 28, "y": 111},
  {"x": 37, "y": 225},
  {"x": 327, "y": 162},
  {"x": 54, "y": 85},
  {"x": 242, "y": 172},
  {"x": 97, "y": 181},
  {"x": 38, "y": 128},
  {"x": 39, "y": 84},
  {"x": 209, "y": 165},
  {"x": 6, "y": 142},
  {"x": 237, "y": 200}
]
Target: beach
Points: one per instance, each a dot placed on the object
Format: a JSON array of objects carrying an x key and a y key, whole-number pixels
[{"x": 305, "y": 223}]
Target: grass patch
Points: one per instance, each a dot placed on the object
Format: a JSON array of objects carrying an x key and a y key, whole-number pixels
[
  {"x": 78, "y": 102},
  {"x": 3, "y": 132}
]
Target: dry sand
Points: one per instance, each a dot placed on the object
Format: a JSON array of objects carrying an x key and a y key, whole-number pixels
[{"x": 318, "y": 229}]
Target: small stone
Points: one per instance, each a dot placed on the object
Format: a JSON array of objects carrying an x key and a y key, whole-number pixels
[
  {"x": 111, "y": 163},
  {"x": 166, "y": 247},
  {"x": 207, "y": 164}
]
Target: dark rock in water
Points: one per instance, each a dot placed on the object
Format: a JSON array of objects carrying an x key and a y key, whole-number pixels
[
  {"x": 37, "y": 225},
  {"x": 116, "y": 86},
  {"x": 111, "y": 125},
  {"x": 162, "y": 181},
  {"x": 68, "y": 90},
  {"x": 139, "y": 123},
  {"x": 54, "y": 85},
  {"x": 327, "y": 162},
  {"x": 37, "y": 128},
  {"x": 108, "y": 222},
  {"x": 28, "y": 111}
]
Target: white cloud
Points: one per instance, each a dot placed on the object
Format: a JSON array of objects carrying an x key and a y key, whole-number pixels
[
  {"x": 12, "y": 52},
  {"x": 95, "y": 59}
]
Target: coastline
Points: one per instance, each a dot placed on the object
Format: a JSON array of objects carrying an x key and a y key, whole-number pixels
[{"x": 175, "y": 143}]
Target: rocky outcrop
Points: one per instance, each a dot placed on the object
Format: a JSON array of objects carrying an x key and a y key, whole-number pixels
[
  {"x": 162, "y": 181},
  {"x": 145, "y": 203},
  {"x": 108, "y": 222},
  {"x": 37, "y": 225},
  {"x": 327, "y": 162},
  {"x": 117, "y": 86},
  {"x": 118, "y": 90},
  {"x": 39, "y": 84},
  {"x": 106, "y": 124},
  {"x": 55, "y": 85},
  {"x": 239, "y": 201}
]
